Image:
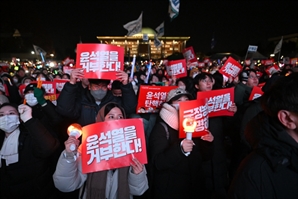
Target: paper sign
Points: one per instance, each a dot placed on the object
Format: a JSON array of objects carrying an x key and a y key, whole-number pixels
[
  {"x": 294, "y": 61},
  {"x": 50, "y": 90},
  {"x": 190, "y": 57},
  {"x": 255, "y": 93},
  {"x": 267, "y": 62},
  {"x": 218, "y": 101},
  {"x": 60, "y": 83},
  {"x": 231, "y": 68},
  {"x": 151, "y": 98},
  {"x": 198, "y": 110},
  {"x": 112, "y": 144},
  {"x": 100, "y": 61},
  {"x": 177, "y": 68},
  {"x": 252, "y": 48},
  {"x": 270, "y": 70}
]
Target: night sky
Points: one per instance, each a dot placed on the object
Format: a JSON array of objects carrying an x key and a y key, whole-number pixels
[{"x": 235, "y": 25}]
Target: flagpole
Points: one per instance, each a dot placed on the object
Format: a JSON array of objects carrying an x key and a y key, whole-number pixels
[{"x": 245, "y": 58}]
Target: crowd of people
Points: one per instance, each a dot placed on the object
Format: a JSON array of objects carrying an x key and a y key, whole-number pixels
[{"x": 252, "y": 154}]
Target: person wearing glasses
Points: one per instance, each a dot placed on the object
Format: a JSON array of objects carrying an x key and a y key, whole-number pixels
[{"x": 84, "y": 108}]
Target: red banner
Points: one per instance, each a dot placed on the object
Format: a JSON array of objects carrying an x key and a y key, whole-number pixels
[
  {"x": 231, "y": 68},
  {"x": 255, "y": 93},
  {"x": 198, "y": 110},
  {"x": 50, "y": 89},
  {"x": 112, "y": 144},
  {"x": 177, "y": 68},
  {"x": 100, "y": 61},
  {"x": 218, "y": 101},
  {"x": 60, "y": 83},
  {"x": 270, "y": 70},
  {"x": 151, "y": 98}
]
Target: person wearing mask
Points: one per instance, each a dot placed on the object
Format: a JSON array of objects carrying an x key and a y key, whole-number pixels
[
  {"x": 84, "y": 107},
  {"x": 24, "y": 150},
  {"x": 11, "y": 90},
  {"x": 271, "y": 169},
  {"x": 176, "y": 164},
  {"x": 108, "y": 184}
]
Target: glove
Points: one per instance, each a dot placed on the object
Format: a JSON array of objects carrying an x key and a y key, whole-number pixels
[
  {"x": 25, "y": 112},
  {"x": 38, "y": 93}
]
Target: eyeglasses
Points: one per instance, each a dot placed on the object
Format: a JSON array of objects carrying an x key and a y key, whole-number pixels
[{"x": 98, "y": 86}]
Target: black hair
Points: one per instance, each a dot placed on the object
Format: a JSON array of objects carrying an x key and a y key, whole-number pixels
[
  {"x": 202, "y": 76},
  {"x": 98, "y": 81},
  {"x": 218, "y": 78},
  {"x": 116, "y": 84},
  {"x": 9, "y": 104},
  {"x": 67, "y": 75},
  {"x": 282, "y": 95},
  {"x": 110, "y": 106}
]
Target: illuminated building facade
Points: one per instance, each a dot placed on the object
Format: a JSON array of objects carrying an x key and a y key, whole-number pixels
[{"x": 135, "y": 45}]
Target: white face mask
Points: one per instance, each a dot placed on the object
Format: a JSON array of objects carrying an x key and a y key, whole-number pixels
[
  {"x": 182, "y": 87},
  {"x": 176, "y": 106},
  {"x": 9, "y": 123},
  {"x": 30, "y": 99}
]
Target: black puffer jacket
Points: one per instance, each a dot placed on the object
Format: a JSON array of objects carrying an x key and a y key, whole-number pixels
[
  {"x": 84, "y": 109},
  {"x": 30, "y": 177},
  {"x": 271, "y": 170}
]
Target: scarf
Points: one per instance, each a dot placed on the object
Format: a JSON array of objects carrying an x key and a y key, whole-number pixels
[
  {"x": 9, "y": 150},
  {"x": 169, "y": 114},
  {"x": 96, "y": 184}
]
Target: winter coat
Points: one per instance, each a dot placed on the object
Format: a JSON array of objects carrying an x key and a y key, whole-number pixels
[
  {"x": 84, "y": 109},
  {"x": 30, "y": 177},
  {"x": 176, "y": 175},
  {"x": 271, "y": 170},
  {"x": 69, "y": 177}
]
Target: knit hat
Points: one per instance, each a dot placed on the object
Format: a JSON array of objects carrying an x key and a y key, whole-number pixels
[
  {"x": 244, "y": 74},
  {"x": 169, "y": 114},
  {"x": 175, "y": 94}
]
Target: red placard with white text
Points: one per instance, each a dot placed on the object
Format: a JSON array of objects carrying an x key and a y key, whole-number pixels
[
  {"x": 151, "y": 98},
  {"x": 231, "y": 68},
  {"x": 294, "y": 61},
  {"x": 271, "y": 69},
  {"x": 112, "y": 144},
  {"x": 198, "y": 110},
  {"x": 60, "y": 83},
  {"x": 177, "y": 68},
  {"x": 190, "y": 57},
  {"x": 100, "y": 61},
  {"x": 218, "y": 101},
  {"x": 50, "y": 89},
  {"x": 255, "y": 93}
]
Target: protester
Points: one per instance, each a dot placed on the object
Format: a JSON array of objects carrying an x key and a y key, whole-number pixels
[
  {"x": 116, "y": 88},
  {"x": 84, "y": 107},
  {"x": 271, "y": 170},
  {"x": 109, "y": 184},
  {"x": 215, "y": 169},
  {"x": 176, "y": 162},
  {"x": 25, "y": 148}
]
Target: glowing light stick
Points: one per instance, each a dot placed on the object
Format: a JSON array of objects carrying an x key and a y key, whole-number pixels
[
  {"x": 74, "y": 130},
  {"x": 189, "y": 125}
]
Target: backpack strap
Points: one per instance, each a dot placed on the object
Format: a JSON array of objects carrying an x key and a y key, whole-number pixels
[{"x": 166, "y": 128}]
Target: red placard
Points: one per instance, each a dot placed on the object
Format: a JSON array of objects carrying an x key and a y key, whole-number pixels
[
  {"x": 218, "y": 101},
  {"x": 198, "y": 110},
  {"x": 151, "y": 98},
  {"x": 50, "y": 89},
  {"x": 112, "y": 144},
  {"x": 60, "y": 83},
  {"x": 231, "y": 68},
  {"x": 201, "y": 64},
  {"x": 267, "y": 62},
  {"x": 255, "y": 93},
  {"x": 100, "y": 61},
  {"x": 190, "y": 56},
  {"x": 177, "y": 68},
  {"x": 270, "y": 70}
]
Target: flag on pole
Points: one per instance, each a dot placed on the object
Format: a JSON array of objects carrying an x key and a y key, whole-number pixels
[
  {"x": 278, "y": 46},
  {"x": 174, "y": 8},
  {"x": 157, "y": 42},
  {"x": 39, "y": 51},
  {"x": 252, "y": 48},
  {"x": 160, "y": 30},
  {"x": 135, "y": 26}
]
